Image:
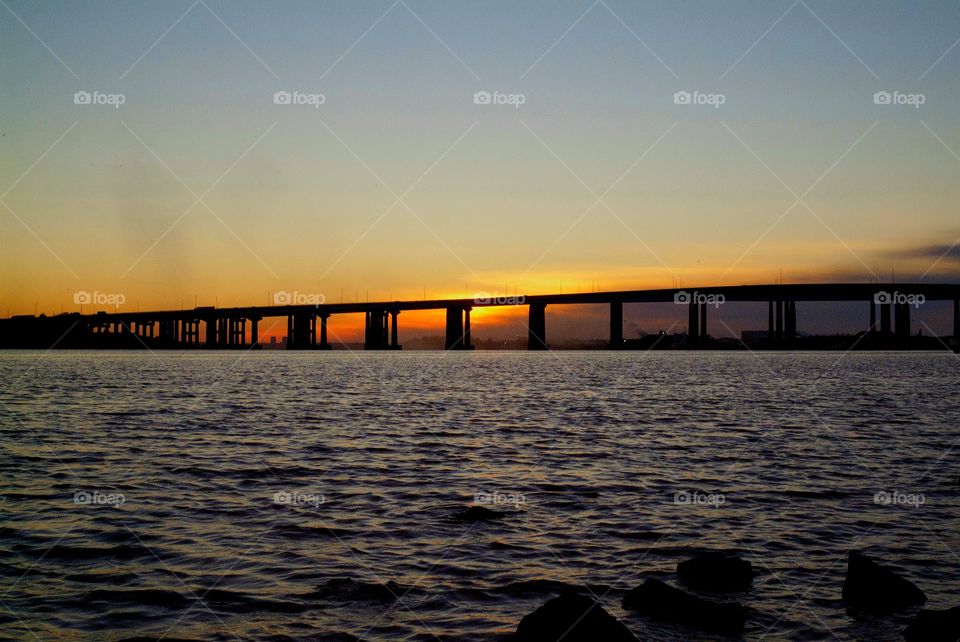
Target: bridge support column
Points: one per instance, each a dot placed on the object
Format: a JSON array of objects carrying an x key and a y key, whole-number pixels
[
  {"x": 779, "y": 328},
  {"x": 885, "y": 319},
  {"x": 255, "y": 333},
  {"x": 770, "y": 322},
  {"x": 190, "y": 333},
  {"x": 454, "y": 335},
  {"x": 467, "y": 338},
  {"x": 394, "y": 330},
  {"x": 375, "y": 334},
  {"x": 324, "y": 345},
  {"x": 211, "y": 333},
  {"x": 790, "y": 326},
  {"x": 301, "y": 331},
  {"x": 537, "y": 336},
  {"x": 703, "y": 321},
  {"x": 693, "y": 323},
  {"x": 873, "y": 317},
  {"x": 616, "y": 325},
  {"x": 903, "y": 320}
]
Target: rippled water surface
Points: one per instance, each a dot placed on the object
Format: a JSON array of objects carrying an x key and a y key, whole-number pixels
[{"x": 289, "y": 496}]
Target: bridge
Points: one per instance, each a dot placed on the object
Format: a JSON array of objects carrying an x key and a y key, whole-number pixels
[{"x": 887, "y": 314}]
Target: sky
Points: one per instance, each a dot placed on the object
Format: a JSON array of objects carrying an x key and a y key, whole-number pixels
[{"x": 187, "y": 179}]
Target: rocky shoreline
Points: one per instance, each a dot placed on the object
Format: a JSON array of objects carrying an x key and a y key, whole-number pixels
[{"x": 871, "y": 590}]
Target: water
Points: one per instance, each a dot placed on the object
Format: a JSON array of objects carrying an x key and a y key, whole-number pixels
[{"x": 378, "y": 453}]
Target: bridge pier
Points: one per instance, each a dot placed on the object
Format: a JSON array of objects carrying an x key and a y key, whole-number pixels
[
  {"x": 237, "y": 331},
  {"x": 790, "y": 324},
  {"x": 376, "y": 331},
  {"x": 211, "y": 325},
  {"x": 770, "y": 322},
  {"x": 693, "y": 323},
  {"x": 168, "y": 333},
  {"x": 616, "y": 325},
  {"x": 537, "y": 327},
  {"x": 779, "y": 328},
  {"x": 458, "y": 328},
  {"x": 301, "y": 331},
  {"x": 254, "y": 333},
  {"x": 873, "y": 317},
  {"x": 885, "y": 319},
  {"x": 324, "y": 345},
  {"x": 903, "y": 320},
  {"x": 190, "y": 333},
  {"x": 703, "y": 321}
]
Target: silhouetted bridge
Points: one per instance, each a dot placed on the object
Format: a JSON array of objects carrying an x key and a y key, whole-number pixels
[{"x": 221, "y": 328}]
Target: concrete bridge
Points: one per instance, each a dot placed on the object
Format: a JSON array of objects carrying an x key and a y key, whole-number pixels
[{"x": 887, "y": 310}]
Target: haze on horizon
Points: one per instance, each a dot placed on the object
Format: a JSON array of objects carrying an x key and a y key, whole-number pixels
[{"x": 201, "y": 188}]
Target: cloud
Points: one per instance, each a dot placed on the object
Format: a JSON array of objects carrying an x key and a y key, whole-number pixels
[{"x": 933, "y": 252}]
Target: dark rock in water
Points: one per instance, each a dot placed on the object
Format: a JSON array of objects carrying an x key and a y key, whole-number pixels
[
  {"x": 573, "y": 618},
  {"x": 479, "y": 514},
  {"x": 661, "y": 601},
  {"x": 716, "y": 571},
  {"x": 934, "y": 626},
  {"x": 872, "y": 587}
]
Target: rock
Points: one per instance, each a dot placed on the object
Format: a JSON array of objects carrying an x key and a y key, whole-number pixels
[
  {"x": 573, "y": 618},
  {"x": 479, "y": 514},
  {"x": 934, "y": 626},
  {"x": 716, "y": 571},
  {"x": 661, "y": 601},
  {"x": 872, "y": 587}
]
